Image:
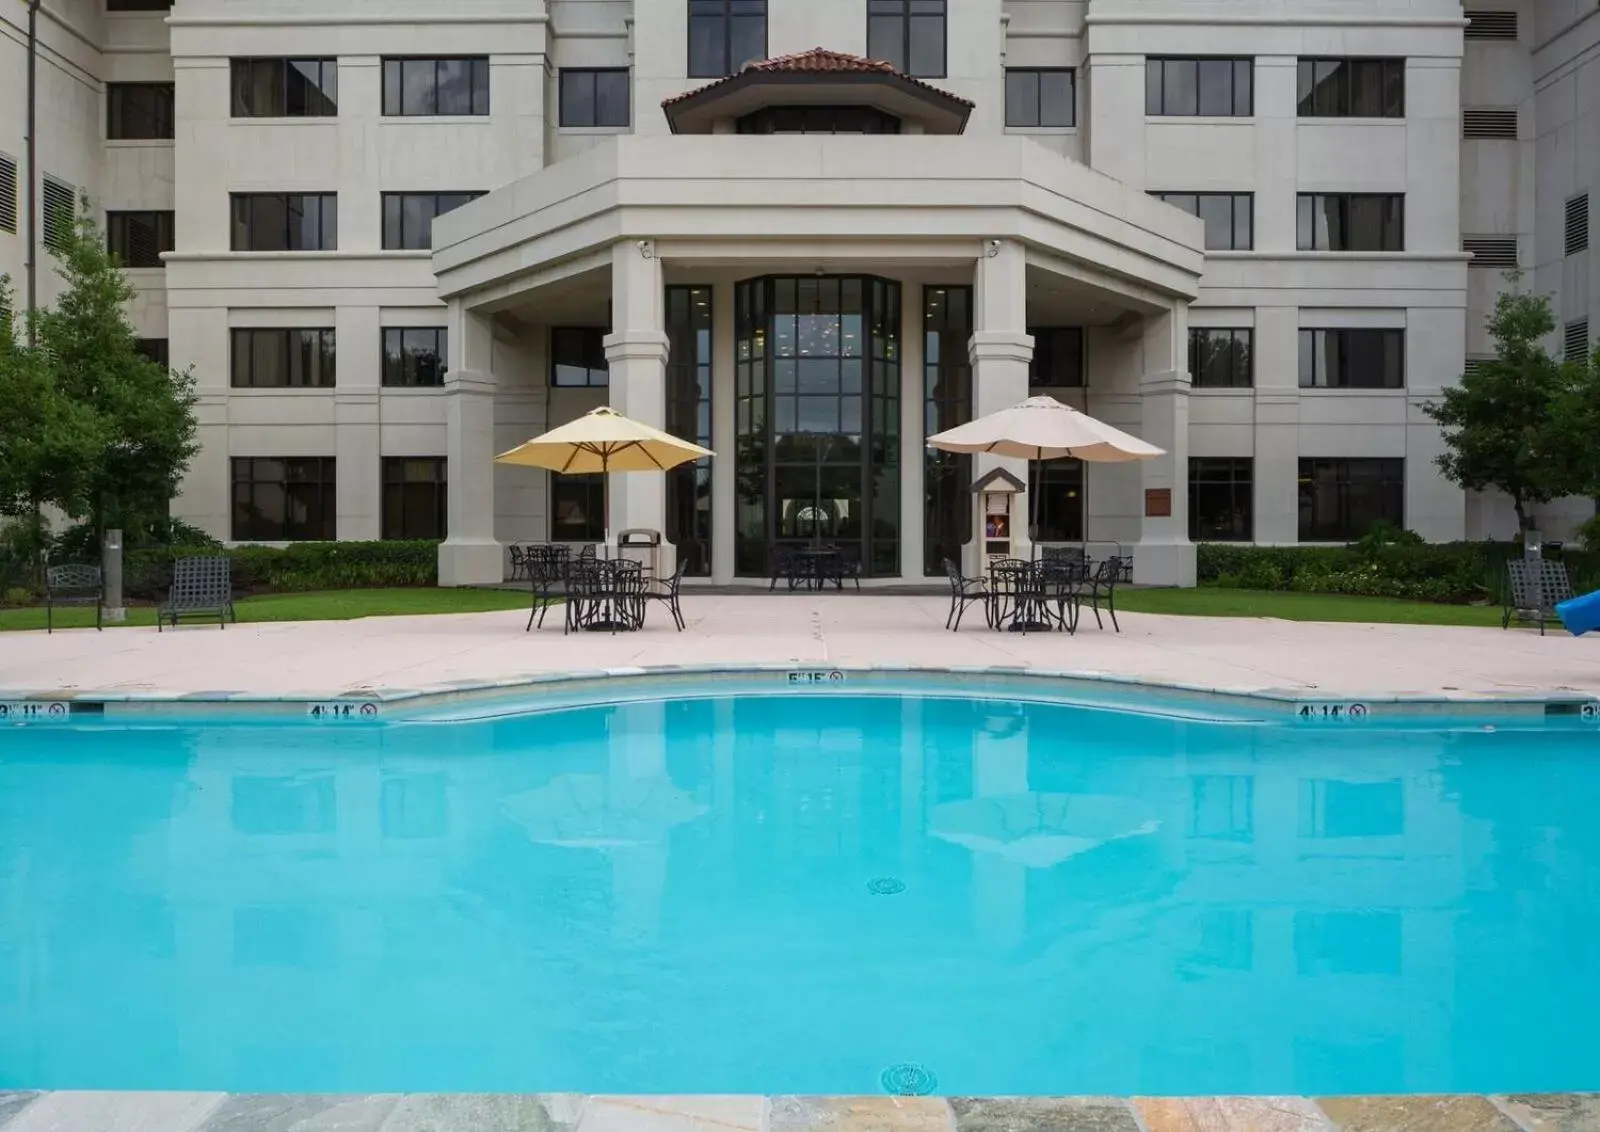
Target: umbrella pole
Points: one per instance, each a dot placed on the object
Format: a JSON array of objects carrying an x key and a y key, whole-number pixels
[{"x": 1033, "y": 506}]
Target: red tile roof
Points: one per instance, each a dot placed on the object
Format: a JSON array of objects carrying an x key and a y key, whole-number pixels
[{"x": 818, "y": 61}]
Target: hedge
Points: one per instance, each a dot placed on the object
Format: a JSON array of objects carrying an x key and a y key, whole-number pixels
[
  {"x": 1457, "y": 572},
  {"x": 294, "y": 568}
]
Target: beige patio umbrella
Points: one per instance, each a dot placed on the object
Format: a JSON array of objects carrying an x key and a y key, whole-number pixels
[
  {"x": 1042, "y": 428},
  {"x": 604, "y": 441}
]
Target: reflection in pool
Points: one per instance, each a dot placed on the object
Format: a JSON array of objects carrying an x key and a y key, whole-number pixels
[{"x": 790, "y": 894}]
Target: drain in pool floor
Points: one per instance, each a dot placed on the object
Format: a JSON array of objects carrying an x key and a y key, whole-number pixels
[
  {"x": 908, "y": 1079},
  {"x": 885, "y": 886}
]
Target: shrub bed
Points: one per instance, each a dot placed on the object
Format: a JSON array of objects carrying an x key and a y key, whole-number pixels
[{"x": 295, "y": 568}]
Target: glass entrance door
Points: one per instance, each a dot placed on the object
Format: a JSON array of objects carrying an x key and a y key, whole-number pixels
[{"x": 819, "y": 496}]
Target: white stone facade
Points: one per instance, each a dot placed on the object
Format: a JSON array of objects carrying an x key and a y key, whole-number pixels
[{"x": 1048, "y": 225}]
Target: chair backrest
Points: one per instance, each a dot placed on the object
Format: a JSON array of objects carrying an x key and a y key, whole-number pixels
[
  {"x": 1113, "y": 570},
  {"x": 203, "y": 578},
  {"x": 587, "y": 554},
  {"x": 1537, "y": 586},
  {"x": 72, "y": 578},
  {"x": 953, "y": 572},
  {"x": 1067, "y": 555}
]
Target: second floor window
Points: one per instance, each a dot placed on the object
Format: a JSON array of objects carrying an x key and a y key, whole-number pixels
[
  {"x": 1229, "y": 217},
  {"x": 1350, "y": 222},
  {"x": 408, "y": 217},
  {"x": 436, "y": 87},
  {"x": 578, "y": 356},
  {"x": 1352, "y": 359},
  {"x": 275, "y": 357},
  {"x": 138, "y": 111},
  {"x": 594, "y": 97},
  {"x": 285, "y": 222},
  {"x": 909, "y": 34},
  {"x": 1352, "y": 88},
  {"x": 724, "y": 35},
  {"x": 285, "y": 88},
  {"x": 1040, "y": 96},
  {"x": 414, "y": 356},
  {"x": 1221, "y": 359},
  {"x": 1187, "y": 88},
  {"x": 137, "y": 239},
  {"x": 1057, "y": 360}
]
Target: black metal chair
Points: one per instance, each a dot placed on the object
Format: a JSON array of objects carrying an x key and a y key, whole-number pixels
[
  {"x": 1102, "y": 586},
  {"x": 545, "y": 571},
  {"x": 201, "y": 587},
  {"x": 519, "y": 562},
  {"x": 964, "y": 591},
  {"x": 73, "y": 584},
  {"x": 666, "y": 590},
  {"x": 1535, "y": 587},
  {"x": 847, "y": 566},
  {"x": 786, "y": 565},
  {"x": 1063, "y": 582}
]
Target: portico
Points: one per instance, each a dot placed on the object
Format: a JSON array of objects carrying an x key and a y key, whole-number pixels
[{"x": 811, "y": 308}]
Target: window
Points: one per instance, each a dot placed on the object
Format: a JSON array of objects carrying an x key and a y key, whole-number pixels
[
  {"x": 435, "y": 87},
  {"x": 1491, "y": 251},
  {"x": 1221, "y": 499},
  {"x": 283, "y": 358},
  {"x": 415, "y": 502},
  {"x": 1575, "y": 340},
  {"x": 1352, "y": 88},
  {"x": 414, "y": 356},
  {"x": 408, "y": 217},
  {"x": 60, "y": 201},
  {"x": 1351, "y": 222},
  {"x": 947, "y": 401},
  {"x": 578, "y": 356},
  {"x": 137, "y": 239},
  {"x": 724, "y": 35},
  {"x": 138, "y": 5},
  {"x": 1489, "y": 123},
  {"x": 689, "y": 389},
  {"x": 1211, "y": 88},
  {"x": 1577, "y": 229},
  {"x": 285, "y": 222},
  {"x": 1057, "y": 361},
  {"x": 8, "y": 193},
  {"x": 284, "y": 499},
  {"x": 285, "y": 88},
  {"x": 577, "y": 508},
  {"x": 1037, "y": 96},
  {"x": 1491, "y": 25},
  {"x": 1060, "y": 487},
  {"x": 1229, "y": 217},
  {"x": 1352, "y": 359},
  {"x": 153, "y": 348},
  {"x": 909, "y": 35},
  {"x": 1341, "y": 499},
  {"x": 594, "y": 97},
  {"x": 1221, "y": 359},
  {"x": 138, "y": 111},
  {"x": 817, "y": 120}
]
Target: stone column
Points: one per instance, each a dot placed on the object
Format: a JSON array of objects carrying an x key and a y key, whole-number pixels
[
  {"x": 636, "y": 351},
  {"x": 357, "y": 409},
  {"x": 470, "y": 555},
  {"x": 913, "y": 429},
  {"x": 1001, "y": 349},
  {"x": 1164, "y": 555}
]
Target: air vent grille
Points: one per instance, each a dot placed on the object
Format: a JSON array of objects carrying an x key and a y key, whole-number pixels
[
  {"x": 1491, "y": 25},
  {"x": 1577, "y": 339},
  {"x": 60, "y": 208},
  {"x": 8, "y": 193},
  {"x": 1491, "y": 251},
  {"x": 1578, "y": 224},
  {"x": 1489, "y": 123}
]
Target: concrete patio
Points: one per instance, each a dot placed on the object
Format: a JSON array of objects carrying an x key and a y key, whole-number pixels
[{"x": 842, "y": 630}]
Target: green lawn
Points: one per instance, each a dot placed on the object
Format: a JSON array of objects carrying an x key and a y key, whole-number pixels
[
  {"x": 1304, "y": 607},
  {"x": 331, "y": 605}
]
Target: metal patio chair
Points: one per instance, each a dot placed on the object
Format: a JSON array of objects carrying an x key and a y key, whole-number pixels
[
  {"x": 201, "y": 587},
  {"x": 964, "y": 591},
  {"x": 73, "y": 584},
  {"x": 665, "y": 590},
  {"x": 1535, "y": 587}
]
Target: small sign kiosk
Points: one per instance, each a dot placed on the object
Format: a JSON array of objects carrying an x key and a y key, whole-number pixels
[{"x": 994, "y": 509}]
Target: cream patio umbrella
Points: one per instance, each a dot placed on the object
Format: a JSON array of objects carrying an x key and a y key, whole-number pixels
[
  {"x": 603, "y": 441},
  {"x": 1042, "y": 428}
]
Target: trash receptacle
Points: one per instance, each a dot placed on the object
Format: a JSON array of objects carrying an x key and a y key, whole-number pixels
[{"x": 643, "y": 546}]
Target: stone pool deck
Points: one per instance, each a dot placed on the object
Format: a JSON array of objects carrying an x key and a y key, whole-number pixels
[
  {"x": 221, "y": 1112},
  {"x": 326, "y": 658}
]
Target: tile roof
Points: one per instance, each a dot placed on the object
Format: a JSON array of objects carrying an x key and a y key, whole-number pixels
[{"x": 818, "y": 61}]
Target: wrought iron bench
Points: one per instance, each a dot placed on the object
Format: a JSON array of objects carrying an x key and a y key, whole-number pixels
[
  {"x": 73, "y": 584},
  {"x": 201, "y": 587},
  {"x": 1535, "y": 587}
]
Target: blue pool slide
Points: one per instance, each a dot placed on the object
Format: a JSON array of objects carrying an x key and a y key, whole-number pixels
[{"x": 1580, "y": 614}]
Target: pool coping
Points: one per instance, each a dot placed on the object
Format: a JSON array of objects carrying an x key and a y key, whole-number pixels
[
  {"x": 623, "y": 682},
  {"x": 26, "y": 1111}
]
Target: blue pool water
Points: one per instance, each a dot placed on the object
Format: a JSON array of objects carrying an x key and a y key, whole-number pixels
[{"x": 795, "y": 893}]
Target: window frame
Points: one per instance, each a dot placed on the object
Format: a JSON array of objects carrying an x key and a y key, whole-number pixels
[
  {"x": 1157, "y": 104},
  {"x": 1037, "y": 74},
  {"x": 904, "y": 13},
  {"x": 117, "y": 232},
  {"x": 118, "y": 113},
  {"x": 1240, "y": 489},
  {"x": 393, "y": 82},
  {"x": 396, "y": 528},
  {"x": 725, "y": 12},
  {"x": 394, "y": 227},
  {"x": 1234, "y": 200},
  {"x": 396, "y": 357},
  {"x": 324, "y": 489},
  {"x": 327, "y": 222},
  {"x": 321, "y": 351},
  {"x": 1346, "y": 93},
  {"x": 591, "y": 352},
  {"x": 1241, "y": 341},
  {"x": 593, "y": 75},
  {"x": 1343, "y": 530},
  {"x": 1312, "y": 346},
  {"x": 1307, "y": 210},
  {"x": 1055, "y": 336},
  {"x": 594, "y": 490},
  {"x": 239, "y": 68}
]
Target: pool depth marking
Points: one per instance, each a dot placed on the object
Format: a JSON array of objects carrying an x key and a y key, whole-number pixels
[
  {"x": 30, "y": 711},
  {"x": 342, "y": 709},
  {"x": 816, "y": 676}
]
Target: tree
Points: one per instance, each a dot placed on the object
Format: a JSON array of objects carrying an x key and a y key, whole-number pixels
[
  {"x": 1520, "y": 422},
  {"x": 143, "y": 411}
]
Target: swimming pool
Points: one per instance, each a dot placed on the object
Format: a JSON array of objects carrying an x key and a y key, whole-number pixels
[{"x": 801, "y": 893}]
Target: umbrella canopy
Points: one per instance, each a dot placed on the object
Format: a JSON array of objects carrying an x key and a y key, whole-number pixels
[
  {"x": 1042, "y": 428},
  {"x": 603, "y": 440}
]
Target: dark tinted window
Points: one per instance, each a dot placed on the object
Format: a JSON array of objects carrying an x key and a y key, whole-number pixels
[
  {"x": 283, "y": 358},
  {"x": 1221, "y": 359},
  {"x": 408, "y": 217},
  {"x": 1040, "y": 97},
  {"x": 577, "y": 508},
  {"x": 594, "y": 97},
  {"x": 137, "y": 239},
  {"x": 1229, "y": 217},
  {"x": 436, "y": 87},
  {"x": 1221, "y": 499},
  {"x": 415, "y": 356},
  {"x": 1352, "y": 359},
  {"x": 415, "y": 499},
  {"x": 284, "y": 499},
  {"x": 724, "y": 35},
  {"x": 1060, "y": 487},
  {"x": 153, "y": 348},
  {"x": 578, "y": 356},
  {"x": 1351, "y": 222},
  {"x": 138, "y": 110},
  {"x": 818, "y": 120},
  {"x": 1340, "y": 499},
  {"x": 1057, "y": 361},
  {"x": 909, "y": 34},
  {"x": 1352, "y": 88},
  {"x": 1221, "y": 88},
  {"x": 278, "y": 222},
  {"x": 285, "y": 88}
]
